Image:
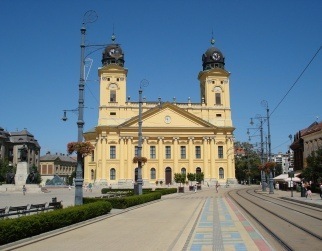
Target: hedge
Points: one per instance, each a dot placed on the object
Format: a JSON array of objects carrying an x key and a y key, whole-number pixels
[
  {"x": 27, "y": 226},
  {"x": 125, "y": 202}
]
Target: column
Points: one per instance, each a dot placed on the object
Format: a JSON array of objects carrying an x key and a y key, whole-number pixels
[
  {"x": 213, "y": 171},
  {"x": 176, "y": 166},
  {"x": 205, "y": 158},
  {"x": 129, "y": 171},
  {"x": 104, "y": 158},
  {"x": 161, "y": 173},
  {"x": 120, "y": 153},
  {"x": 190, "y": 155}
]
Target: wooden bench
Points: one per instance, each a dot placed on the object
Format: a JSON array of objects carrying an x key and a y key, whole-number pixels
[
  {"x": 37, "y": 208},
  {"x": 54, "y": 205},
  {"x": 17, "y": 210},
  {"x": 3, "y": 212}
]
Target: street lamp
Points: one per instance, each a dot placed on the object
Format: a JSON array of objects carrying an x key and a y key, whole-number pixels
[
  {"x": 138, "y": 186},
  {"x": 271, "y": 187},
  {"x": 89, "y": 17},
  {"x": 260, "y": 118}
]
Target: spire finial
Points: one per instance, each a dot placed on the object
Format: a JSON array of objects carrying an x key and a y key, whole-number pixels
[
  {"x": 212, "y": 41},
  {"x": 113, "y": 35}
]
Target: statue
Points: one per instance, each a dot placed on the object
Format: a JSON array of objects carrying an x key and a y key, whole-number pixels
[{"x": 23, "y": 153}]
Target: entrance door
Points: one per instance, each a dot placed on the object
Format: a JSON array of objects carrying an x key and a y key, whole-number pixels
[{"x": 168, "y": 175}]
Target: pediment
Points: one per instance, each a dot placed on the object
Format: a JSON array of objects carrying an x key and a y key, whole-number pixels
[{"x": 168, "y": 116}]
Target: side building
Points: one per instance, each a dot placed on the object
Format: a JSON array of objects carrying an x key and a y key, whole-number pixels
[
  {"x": 56, "y": 164},
  {"x": 12, "y": 142},
  {"x": 177, "y": 137},
  {"x": 305, "y": 142}
]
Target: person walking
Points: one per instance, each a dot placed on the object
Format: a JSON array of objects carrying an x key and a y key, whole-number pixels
[
  {"x": 195, "y": 188},
  {"x": 309, "y": 192},
  {"x": 321, "y": 190},
  {"x": 24, "y": 189},
  {"x": 217, "y": 186}
]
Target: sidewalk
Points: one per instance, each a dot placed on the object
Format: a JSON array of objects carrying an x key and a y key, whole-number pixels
[
  {"x": 316, "y": 199},
  {"x": 205, "y": 220}
]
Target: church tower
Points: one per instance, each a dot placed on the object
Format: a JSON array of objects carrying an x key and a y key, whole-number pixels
[
  {"x": 214, "y": 86},
  {"x": 112, "y": 77}
]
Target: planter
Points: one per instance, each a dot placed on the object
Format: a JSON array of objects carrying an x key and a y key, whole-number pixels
[
  {"x": 198, "y": 187},
  {"x": 180, "y": 189},
  {"x": 190, "y": 188}
]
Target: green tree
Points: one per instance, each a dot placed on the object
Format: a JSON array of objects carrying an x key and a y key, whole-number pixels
[
  {"x": 313, "y": 171},
  {"x": 200, "y": 177},
  {"x": 191, "y": 177},
  {"x": 247, "y": 161},
  {"x": 180, "y": 178},
  {"x": 4, "y": 169}
]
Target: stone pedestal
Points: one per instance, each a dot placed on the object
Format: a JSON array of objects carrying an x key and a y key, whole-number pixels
[{"x": 21, "y": 173}]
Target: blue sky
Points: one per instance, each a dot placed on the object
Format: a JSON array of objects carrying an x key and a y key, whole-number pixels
[{"x": 267, "y": 44}]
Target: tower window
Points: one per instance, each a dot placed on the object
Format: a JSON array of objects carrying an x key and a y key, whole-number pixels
[
  {"x": 112, "y": 113},
  {"x": 112, "y": 96},
  {"x": 218, "y": 115},
  {"x": 218, "y": 98}
]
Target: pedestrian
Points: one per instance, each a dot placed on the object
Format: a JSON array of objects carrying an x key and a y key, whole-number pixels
[
  {"x": 195, "y": 188},
  {"x": 90, "y": 187},
  {"x": 24, "y": 189},
  {"x": 217, "y": 186},
  {"x": 69, "y": 187},
  {"x": 321, "y": 190},
  {"x": 309, "y": 192}
]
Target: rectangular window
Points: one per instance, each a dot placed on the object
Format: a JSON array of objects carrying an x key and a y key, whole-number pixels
[
  {"x": 218, "y": 99},
  {"x": 152, "y": 152},
  {"x": 183, "y": 152},
  {"x": 93, "y": 157},
  {"x": 220, "y": 152},
  {"x": 112, "y": 152},
  {"x": 198, "y": 152},
  {"x": 168, "y": 152},
  {"x": 112, "y": 96}
]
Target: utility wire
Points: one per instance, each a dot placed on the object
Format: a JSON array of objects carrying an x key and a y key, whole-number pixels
[{"x": 307, "y": 66}]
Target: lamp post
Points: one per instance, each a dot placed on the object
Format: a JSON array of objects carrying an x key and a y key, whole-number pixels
[
  {"x": 138, "y": 188},
  {"x": 260, "y": 118},
  {"x": 89, "y": 17},
  {"x": 271, "y": 186}
]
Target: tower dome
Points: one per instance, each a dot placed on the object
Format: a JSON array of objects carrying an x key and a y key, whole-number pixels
[
  {"x": 113, "y": 54},
  {"x": 213, "y": 58}
]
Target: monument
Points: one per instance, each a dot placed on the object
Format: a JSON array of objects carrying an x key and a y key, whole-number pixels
[{"x": 22, "y": 171}]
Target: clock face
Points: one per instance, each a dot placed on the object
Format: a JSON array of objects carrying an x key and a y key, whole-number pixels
[
  {"x": 167, "y": 119},
  {"x": 114, "y": 53},
  {"x": 216, "y": 56}
]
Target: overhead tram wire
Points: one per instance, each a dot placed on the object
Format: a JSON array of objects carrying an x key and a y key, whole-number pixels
[
  {"x": 299, "y": 77},
  {"x": 307, "y": 66}
]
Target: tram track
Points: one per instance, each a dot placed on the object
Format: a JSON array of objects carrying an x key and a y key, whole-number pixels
[
  {"x": 292, "y": 228},
  {"x": 296, "y": 206}
]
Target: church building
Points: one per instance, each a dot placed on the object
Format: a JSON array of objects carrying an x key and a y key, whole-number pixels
[{"x": 176, "y": 137}]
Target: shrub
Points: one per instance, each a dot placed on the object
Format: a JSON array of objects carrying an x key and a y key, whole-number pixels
[{"x": 19, "y": 228}]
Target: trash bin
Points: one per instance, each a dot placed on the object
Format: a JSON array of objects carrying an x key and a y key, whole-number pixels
[{"x": 54, "y": 199}]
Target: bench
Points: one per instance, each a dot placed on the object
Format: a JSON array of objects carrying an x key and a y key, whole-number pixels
[
  {"x": 3, "y": 212},
  {"x": 17, "y": 210},
  {"x": 37, "y": 208},
  {"x": 54, "y": 205}
]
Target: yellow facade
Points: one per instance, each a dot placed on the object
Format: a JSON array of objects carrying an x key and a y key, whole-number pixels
[{"x": 177, "y": 137}]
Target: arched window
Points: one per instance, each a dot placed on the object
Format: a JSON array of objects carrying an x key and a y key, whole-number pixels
[
  {"x": 198, "y": 170},
  {"x": 221, "y": 173},
  {"x": 183, "y": 170},
  {"x": 152, "y": 173},
  {"x": 112, "y": 174}
]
